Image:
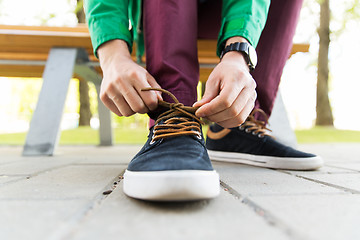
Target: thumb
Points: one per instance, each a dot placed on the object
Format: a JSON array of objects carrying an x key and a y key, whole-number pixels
[
  {"x": 210, "y": 93},
  {"x": 151, "y": 80}
]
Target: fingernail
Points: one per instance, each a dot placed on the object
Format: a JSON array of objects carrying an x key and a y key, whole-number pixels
[{"x": 200, "y": 115}]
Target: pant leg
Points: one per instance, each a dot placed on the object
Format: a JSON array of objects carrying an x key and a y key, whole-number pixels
[
  {"x": 274, "y": 49},
  {"x": 170, "y": 34}
]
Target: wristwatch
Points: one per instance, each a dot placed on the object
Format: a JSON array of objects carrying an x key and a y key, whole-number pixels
[{"x": 246, "y": 50}]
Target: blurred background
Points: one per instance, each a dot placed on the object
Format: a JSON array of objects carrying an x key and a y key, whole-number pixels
[{"x": 333, "y": 118}]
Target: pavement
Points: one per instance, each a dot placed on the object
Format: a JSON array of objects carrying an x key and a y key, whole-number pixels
[{"x": 77, "y": 194}]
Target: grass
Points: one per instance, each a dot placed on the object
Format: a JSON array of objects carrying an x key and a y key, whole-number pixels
[
  {"x": 86, "y": 135},
  {"x": 327, "y": 135}
]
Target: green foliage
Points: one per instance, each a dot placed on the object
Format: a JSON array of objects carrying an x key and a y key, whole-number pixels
[
  {"x": 26, "y": 92},
  {"x": 79, "y": 6}
]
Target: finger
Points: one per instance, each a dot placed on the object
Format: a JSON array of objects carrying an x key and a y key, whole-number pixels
[
  {"x": 150, "y": 98},
  {"x": 133, "y": 100},
  {"x": 122, "y": 105},
  {"x": 223, "y": 101},
  {"x": 211, "y": 91},
  {"x": 246, "y": 96},
  {"x": 153, "y": 83},
  {"x": 110, "y": 105},
  {"x": 239, "y": 119}
]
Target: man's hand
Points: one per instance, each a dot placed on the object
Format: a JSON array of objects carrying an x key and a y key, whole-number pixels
[
  {"x": 230, "y": 92},
  {"x": 123, "y": 80}
]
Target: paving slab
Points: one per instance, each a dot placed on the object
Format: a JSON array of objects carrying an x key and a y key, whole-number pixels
[
  {"x": 350, "y": 181},
  {"x": 119, "y": 154},
  {"x": 323, "y": 170},
  {"x": 335, "y": 152},
  {"x": 5, "y": 179},
  {"x": 248, "y": 180},
  {"x": 222, "y": 218},
  {"x": 34, "y": 220},
  {"x": 33, "y": 165},
  {"x": 346, "y": 166},
  {"x": 330, "y": 217},
  {"x": 61, "y": 198},
  {"x": 70, "y": 182}
]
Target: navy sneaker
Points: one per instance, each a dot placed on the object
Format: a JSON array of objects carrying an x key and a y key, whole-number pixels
[
  {"x": 173, "y": 165},
  {"x": 251, "y": 144}
]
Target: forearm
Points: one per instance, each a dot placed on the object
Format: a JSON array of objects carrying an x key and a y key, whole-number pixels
[
  {"x": 107, "y": 20},
  {"x": 243, "y": 18}
]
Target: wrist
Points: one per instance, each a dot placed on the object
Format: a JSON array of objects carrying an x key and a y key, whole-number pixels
[
  {"x": 235, "y": 57},
  {"x": 240, "y": 46},
  {"x": 116, "y": 48}
]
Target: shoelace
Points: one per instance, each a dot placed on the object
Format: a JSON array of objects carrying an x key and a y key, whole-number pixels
[
  {"x": 179, "y": 120},
  {"x": 257, "y": 127}
]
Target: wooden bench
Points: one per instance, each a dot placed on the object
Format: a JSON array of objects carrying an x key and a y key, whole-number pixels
[{"x": 57, "y": 54}]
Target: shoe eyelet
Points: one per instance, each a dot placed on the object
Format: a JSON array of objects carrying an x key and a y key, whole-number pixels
[
  {"x": 152, "y": 138},
  {"x": 247, "y": 130},
  {"x": 241, "y": 128},
  {"x": 198, "y": 135},
  {"x": 261, "y": 135},
  {"x": 254, "y": 133}
]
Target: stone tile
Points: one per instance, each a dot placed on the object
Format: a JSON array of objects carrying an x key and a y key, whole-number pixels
[
  {"x": 323, "y": 170},
  {"x": 10, "y": 151},
  {"x": 349, "y": 166},
  {"x": 334, "y": 152},
  {"x": 33, "y": 165},
  {"x": 222, "y": 218},
  {"x": 349, "y": 180},
  {"x": 248, "y": 180},
  {"x": 72, "y": 182},
  {"x": 118, "y": 154},
  {"x": 331, "y": 217},
  {"x": 34, "y": 220},
  {"x": 4, "y": 178}
]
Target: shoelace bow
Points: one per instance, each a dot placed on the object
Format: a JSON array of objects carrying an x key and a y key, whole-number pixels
[
  {"x": 179, "y": 120},
  {"x": 256, "y": 126}
]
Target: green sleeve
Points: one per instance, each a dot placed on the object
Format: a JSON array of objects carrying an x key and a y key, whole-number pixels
[
  {"x": 108, "y": 20},
  {"x": 245, "y": 18}
]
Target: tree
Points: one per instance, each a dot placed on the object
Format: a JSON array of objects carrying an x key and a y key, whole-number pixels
[
  {"x": 324, "y": 115},
  {"x": 84, "y": 110},
  {"x": 350, "y": 13}
]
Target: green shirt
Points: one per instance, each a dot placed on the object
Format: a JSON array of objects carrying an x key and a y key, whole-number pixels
[{"x": 119, "y": 19}]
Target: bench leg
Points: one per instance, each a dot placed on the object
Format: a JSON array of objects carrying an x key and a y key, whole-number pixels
[
  {"x": 105, "y": 130},
  {"x": 44, "y": 129},
  {"x": 106, "y": 138}
]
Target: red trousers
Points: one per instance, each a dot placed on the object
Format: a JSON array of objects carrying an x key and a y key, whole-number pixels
[{"x": 171, "y": 30}]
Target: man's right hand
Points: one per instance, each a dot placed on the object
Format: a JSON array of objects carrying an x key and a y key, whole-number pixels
[{"x": 123, "y": 80}]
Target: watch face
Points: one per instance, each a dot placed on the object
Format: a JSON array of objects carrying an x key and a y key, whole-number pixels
[{"x": 252, "y": 55}]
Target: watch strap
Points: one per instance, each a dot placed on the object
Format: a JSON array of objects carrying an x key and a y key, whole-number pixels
[{"x": 242, "y": 47}]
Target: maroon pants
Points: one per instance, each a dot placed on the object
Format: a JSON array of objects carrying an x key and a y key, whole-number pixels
[{"x": 171, "y": 30}]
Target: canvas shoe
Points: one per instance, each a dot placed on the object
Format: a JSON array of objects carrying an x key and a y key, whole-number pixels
[
  {"x": 173, "y": 165},
  {"x": 251, "y": 144}
]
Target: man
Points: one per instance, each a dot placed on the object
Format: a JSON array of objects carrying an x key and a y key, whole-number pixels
[{"x": 174, "y": 163}]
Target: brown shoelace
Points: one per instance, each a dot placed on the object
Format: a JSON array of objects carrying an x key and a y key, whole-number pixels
[
  {"x": 256, "y": 126},
  {"x": 179, "y": 120}
]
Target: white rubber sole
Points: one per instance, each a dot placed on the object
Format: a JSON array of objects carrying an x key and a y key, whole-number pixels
[
  {"x": 267, "y": 161},
  {"x": 180, "y": 185}
]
